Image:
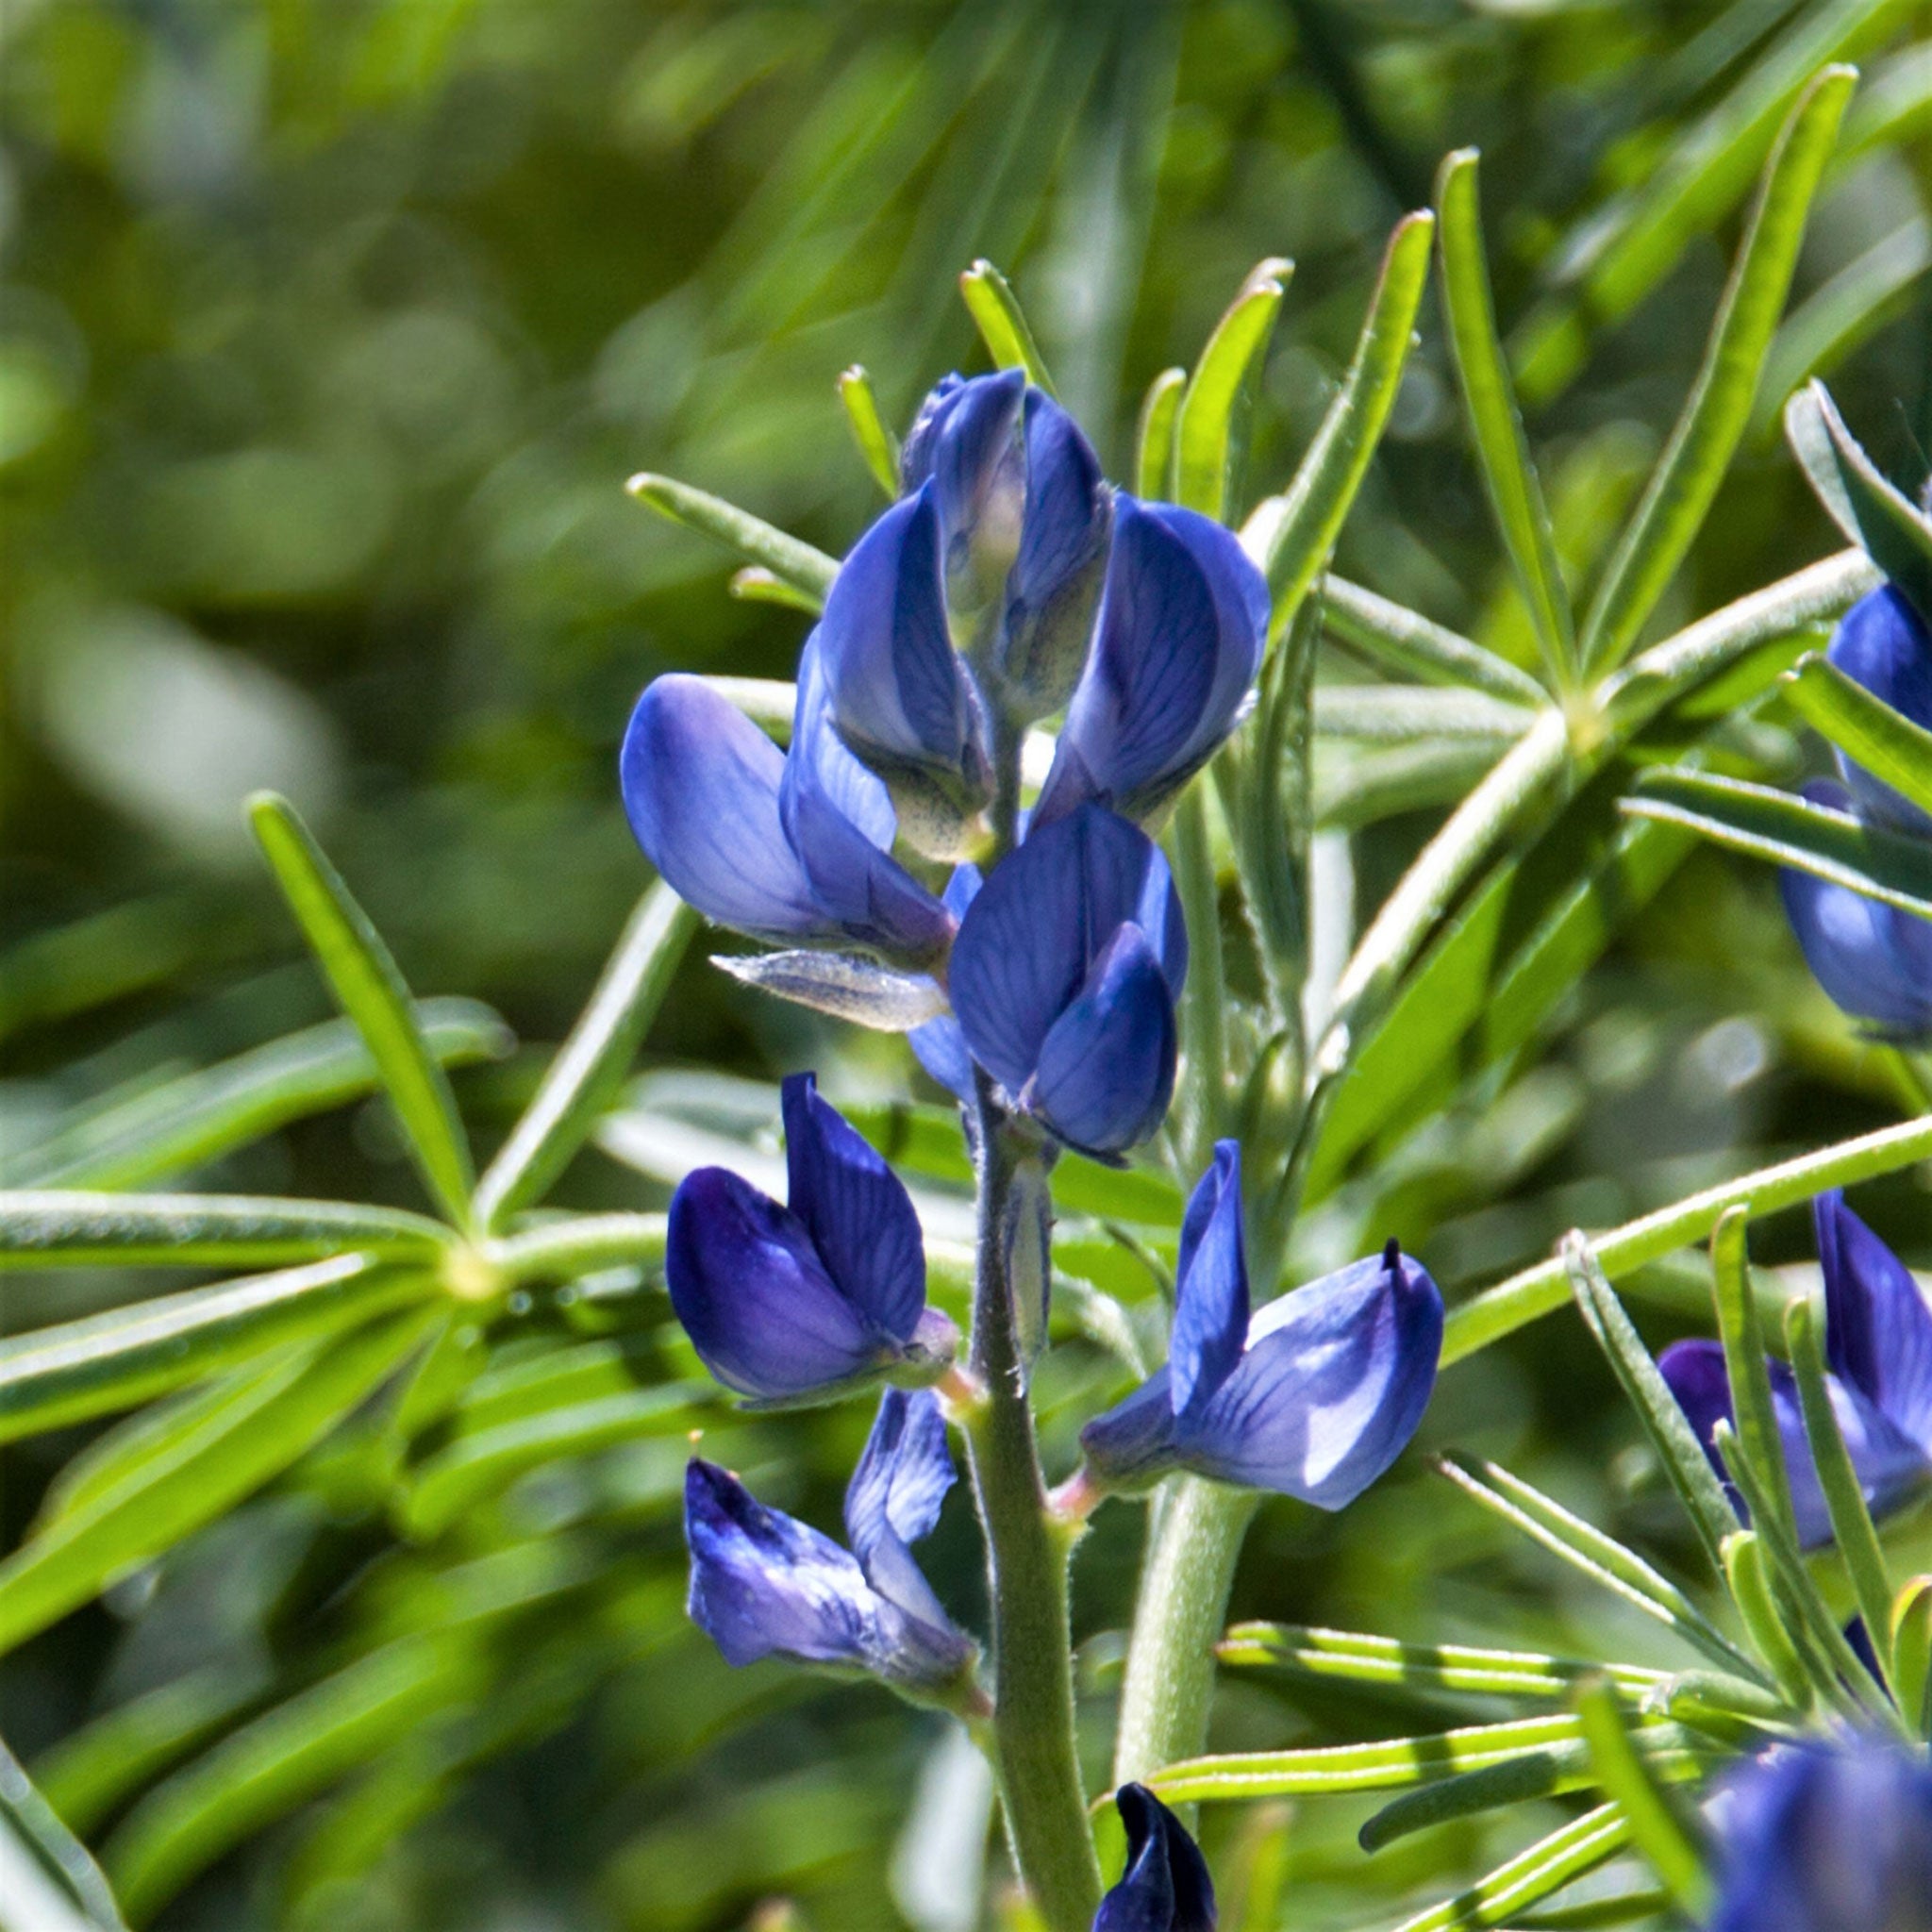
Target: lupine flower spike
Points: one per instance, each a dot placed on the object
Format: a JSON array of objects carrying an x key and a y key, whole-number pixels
[
  {"x": 1878, "y": 1352},
  {"x": 762, "y": 1582},
  {"x": 805, "y": 1301},
  {"x": 1166, "y": 1887},
  {"x": 1314, "y": 1397}
]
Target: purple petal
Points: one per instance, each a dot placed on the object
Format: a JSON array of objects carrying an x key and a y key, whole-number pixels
[
  {"x": 762, "y": 1582},
  {"x": 894, "y": 1497},
  {"x": 1137, "y": 1439},
  {"x": 1210, "y": 1317},
  {"x": 1877, "y": 1328},
  {"x": 1882, "y": 643},
  {"x": 701, "y": 786},
  {"x": 921, "y": 437},
  {"x": 1334, "y": 1382},
  {"x": 756, "y": 1302},
  {"x": 978, "y": 472},
  {"x": 1166, "y": 1887}
]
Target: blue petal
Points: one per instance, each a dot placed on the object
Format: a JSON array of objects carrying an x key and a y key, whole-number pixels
[
  {"x": 894, "y": 1497},
  {"x": 753, "y": 1297},
  {"x": 701, "y": 786},
  {"x": 1032, "y": 936},
  {"x": 1882, "y": 643},
  {"x": 921, "y": 438},
  {"x": 1183, "y": 622},
  {"x": 1877, "y": 1328},
  {"x": 1211, "y": 1315},
  {"x": 762, "y": 1582},
  {"x": 1106, "y": 1065},
  {"x": 839, "y": 820},
  {"x": 1166, "y": 1887},
  {"x": 1826, "y": 1839},
  {"x": 1334, "y": 1382},
  {"x": 939, "y": 1046},
  {"x": 1137, "y": 1439},
  {"x": 855, "y": 1211},
  {"x": 978, "y": 475}
]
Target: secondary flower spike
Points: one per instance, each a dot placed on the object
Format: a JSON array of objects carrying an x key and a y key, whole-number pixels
[
  {"x": 1183, "y": 623},
  {"x": 762, "y": 1582},
  {"x": 1826, "y": 1839},
  {"x": 1879, "y": 1355},
  {"x": 1166, "y": 1887},
  {"x": 794, "y": 849},
  {"x": 1882, "y": 643},
  {"x": 1064, "y": 979},
  {"x": 1314, "y": 1397},
  {"x": 805, "y": 1300}
]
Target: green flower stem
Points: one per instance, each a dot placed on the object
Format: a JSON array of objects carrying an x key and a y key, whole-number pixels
[
  {"x": 1194, "y": 1545},
  {"x": 1034, "y": 1750}
]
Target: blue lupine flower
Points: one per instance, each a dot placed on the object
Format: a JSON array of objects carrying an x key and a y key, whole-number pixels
[
  {"x": 1166, "y": 1887},
  {"x": 1064, "y": 977},
  {"x": 793, "y": 849},
  {"x": 1183, "y": 623},
  {"x": 1314, "y": 1397},
  {"x": 801, "y": 1301},
  {"x": 1882, "y": 643},
  {"x": 938, "y": 1045},
  {"x": 1879, "y": 1354},
  {"x": 1024, "y": 517},
  {"x": 898, "y": 693},
  {"x": 1874, "y": 961},
  {"x": 1821, "y": 1837},
  {"x": 762, "y": 1582}
]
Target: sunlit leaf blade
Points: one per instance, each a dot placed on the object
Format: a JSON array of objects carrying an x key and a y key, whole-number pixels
[
  {"x": 1154, "y": 437},
  {"x": 1869, "y": 509},
  {"x": 1788, "y": 830},
  {"x": 1211, "y": 433},
  {"x": 995, "y": 311},
  {"x": 1402, "y": 713},
  {"x": 1631, "y": 1782},
  {"x": 798, "y": 563},
  {"x": 1719, "y": 408},
  {"x": 589, "y": 1066},
  {"x": 755, "y": 584},
  {"x": 48, "y": 1880},
  {"x": 370, "y": 993},
  {"x": 1502, "y": 449},
  {"x": 1291, "y": 536},
  {"x": 1741, "y": 1332},
  {"x": 876, "y": 444},
  {"x": 205, "y": 1474},
  {"x": 1911, "y": 1647},
  {"x": 65, "y": 1373},
  {"x": 1546, "y": 1867},
  {"x": 1405, "y": 640},
  {"x": 1886, "y": 743},
  {"x": 482, "y": 1464},
  {"x": 1747, "y": 1570},
  {"x": 184, "y": 1123},
  {"x": 47, "y": 1228}
]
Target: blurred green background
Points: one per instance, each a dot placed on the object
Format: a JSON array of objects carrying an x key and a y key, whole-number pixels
[{"x": 329, "y": 330}]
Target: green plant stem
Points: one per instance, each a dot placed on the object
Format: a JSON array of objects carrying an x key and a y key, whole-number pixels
[{"x": 1033, "y": 1746}]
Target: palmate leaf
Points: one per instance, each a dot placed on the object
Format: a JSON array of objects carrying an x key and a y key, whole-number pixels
[
  {"x": 1211, "y": 432},
  {"x": 791, "y": 561},
  {"x": 1408, "y": 642}
]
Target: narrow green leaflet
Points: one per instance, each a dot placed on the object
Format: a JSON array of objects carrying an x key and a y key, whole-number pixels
[
  {"x": 1868, "y": 730},
  {"x": 1871, "y": 512},
  {"x": 1404, "y": 713},
  {"x": 1911, "y": 1648},
  {"x": 1495, "y": 422},
  {"x": 995, "y": 311},
  {"x": 1681, "y": 1454},
  {"x": 36, "y": 1850},
  {"x": 1404, "y": 641},
  {"x": 1211, "y": 433},
  {"x": 1547, "y": 1866},
  {"x": 755, "y": 584},
  {"x": 208, "y": 1472},
  {"x": 876, "y": 444},
  {"x": 160, "y": 1131},
  {"x": 592, "y": 1064},
  {"x": 370, "y": 990},
  {"x": 796, "y": 563},
  {"x": 1289, "y": 536},
  {"x": 1747, "y": 1570},
  {"x": 50, "y": 1227},
  {"x": 1743, "y": 1335},
  {"x": 33, "y": 1898},
  {"x": 1788, "y": 830},
  {"x": 52, "y": 1376},
  {"x": 1200, "y": 1094},
  {"x": 1623, "y": 1774},
  {"x": 1719, "y": 409},
  {"x": 1154, "y": 439}
]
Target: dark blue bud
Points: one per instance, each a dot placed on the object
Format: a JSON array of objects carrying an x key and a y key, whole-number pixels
[
  {"x": 1183, "y": 623},
  {"x": 789, "y": 1303},
  {"x": 1166, "y": 1887},
  {"x": 1878, "y": 1352},
  {"x": 1314, "y": 1397},
  {"x": 896, "y": 691},
  {"x": 1882, "y": 643},
  {"x": 1826, "y": 1837},
  {"x": 1064, "y": 977},
  {"x": 763, "y": 1583}
]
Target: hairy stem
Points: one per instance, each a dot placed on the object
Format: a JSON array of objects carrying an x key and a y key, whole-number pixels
[{"x": 1033, "y": 1746}]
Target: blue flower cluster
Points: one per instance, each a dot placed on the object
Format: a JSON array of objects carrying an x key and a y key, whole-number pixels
[
  {"x": 1873, "y": 959},
  {"x": 1008, "y": 582}
]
